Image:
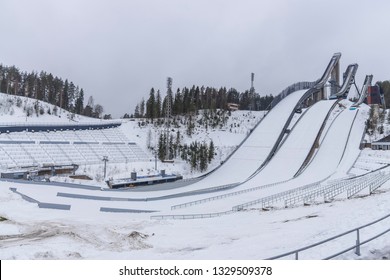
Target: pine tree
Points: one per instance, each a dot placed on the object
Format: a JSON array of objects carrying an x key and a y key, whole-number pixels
[
  {"x": 79, "y": 105},
  {"x": 177, "y": 143},
  {"x": 203, "y": 160},
  {"x": 171, "y": 148},
  {"x": 211, "y": 151},
  {"x": 65, "y": 96},
  {"x": 194, "y": 155},
  {"x": 149, "y": 139},
  {"x": 136, "y": 111},
  {"x": 142, "y": 108},
  {"x": 150, "y": 105},
  {"x": 158, "y": 105},
  {"x": 190, "y": 126},
  {"x": 161, "y": 146},
  {"x": 72, "y": 97}
]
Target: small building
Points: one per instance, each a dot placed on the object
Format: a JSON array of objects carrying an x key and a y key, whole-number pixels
[
  {"x": 382, "y": 144},
  {"x": 14, "y": 175},
  {"x": 135, "y": 181},
  {"x": 232, "y": 106}
]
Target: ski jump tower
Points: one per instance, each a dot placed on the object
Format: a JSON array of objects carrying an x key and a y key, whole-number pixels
[{"x": 332, "y": 74}]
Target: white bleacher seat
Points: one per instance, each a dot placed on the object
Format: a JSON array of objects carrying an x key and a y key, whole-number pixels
[
  {"x": 73, "y": 154},
  {"x": 97, "y": 135},
  {"x": 95, "y": 144},
  {"x": 38, "y": 154},
  {"x": 114, "y": 154},
  {"x": 86, "y": 151}
]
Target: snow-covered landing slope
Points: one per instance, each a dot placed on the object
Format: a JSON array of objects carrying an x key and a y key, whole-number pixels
[
  {"x": 294, "y": 150},
  {"x": 248, "y": 158},
  {"x": 341, "y": 144},
  {"x": 337, "y": 152}
]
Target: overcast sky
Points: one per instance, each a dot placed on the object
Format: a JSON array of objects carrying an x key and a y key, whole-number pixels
[{"x": 116, "y": 50}]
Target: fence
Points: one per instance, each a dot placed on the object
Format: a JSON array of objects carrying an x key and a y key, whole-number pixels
[
  {"x": 290, "y": 89},
  {"x": 200, "y": 201},
  {"x": 266, "y": 201},
  {"x": 307, "y": 194},
  {"x": 191, "y": 216},
  {"x": 357, "y": 245}
]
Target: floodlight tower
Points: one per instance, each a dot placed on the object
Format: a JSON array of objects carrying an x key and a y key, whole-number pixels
[{"x": 168, "y": 114}]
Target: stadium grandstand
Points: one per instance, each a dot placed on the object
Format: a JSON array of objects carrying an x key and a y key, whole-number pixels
[{"x": 39, "y": 146}]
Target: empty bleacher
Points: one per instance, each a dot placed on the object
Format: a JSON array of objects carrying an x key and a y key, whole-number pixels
[{"x": 63, "y": 147}]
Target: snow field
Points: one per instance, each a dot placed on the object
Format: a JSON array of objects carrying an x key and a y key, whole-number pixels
[{"x": 85, "y": 232}]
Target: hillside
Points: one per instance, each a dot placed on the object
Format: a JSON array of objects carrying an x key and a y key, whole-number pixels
[
  {"x": 20, "y": 109},
  {"x": 229, "y": 133}
]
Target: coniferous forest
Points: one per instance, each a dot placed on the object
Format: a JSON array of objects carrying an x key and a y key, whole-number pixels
[
  {"x": 191, "y": 100},
  {"x": 205, "y": 106}
]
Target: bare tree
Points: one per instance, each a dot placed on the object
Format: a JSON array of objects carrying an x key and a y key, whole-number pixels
[{"x": 98, "y": 110}]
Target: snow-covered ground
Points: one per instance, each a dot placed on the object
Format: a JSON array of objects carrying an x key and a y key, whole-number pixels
[
  {"x": 19, "y": 110},
  {"x": 87, "y": 232},
  {"x": 33, "y": 233}
]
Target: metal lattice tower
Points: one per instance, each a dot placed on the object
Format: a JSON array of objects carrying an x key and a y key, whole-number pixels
[{"x": 168, "y": 115}]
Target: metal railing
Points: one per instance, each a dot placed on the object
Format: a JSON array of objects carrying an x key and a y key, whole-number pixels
[
  {"x": 306, "y": 193},
  {"x": 356, "y": 246},
  {"x": 217, "y": 197},
  {"x": 290, "y": 89},
  {"x": 191, "y": 216},
  {"x": 267, "y": 201}
]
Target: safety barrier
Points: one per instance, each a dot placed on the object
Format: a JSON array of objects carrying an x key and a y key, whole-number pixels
[
  {"x": 200, "y": 201},
  {"x": 42, "y": 204},
  {"x": 290, "y": 89},
  {"x": 356, "y": 246},
  {"x": 122, "y": 210},
  {"x": 191, "y": 216},
  {"x": 267, "y": 201},
  {"x": 350, "y": 186},
  {"x": 55, "y": 206}
]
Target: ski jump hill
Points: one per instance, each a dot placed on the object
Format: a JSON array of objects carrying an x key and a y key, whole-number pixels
[
  {"x": 288, "y": 154},
  {"x": 301, "y": 153}
]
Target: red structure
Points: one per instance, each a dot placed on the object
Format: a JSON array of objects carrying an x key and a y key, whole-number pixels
[{"x": 373, "y": 95}]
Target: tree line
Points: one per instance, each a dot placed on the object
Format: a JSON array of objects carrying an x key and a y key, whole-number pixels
[
  {"x": 48, "y": 88},
  {"x": 190, "y": 100},
  {"x": 197, "y": 154}
]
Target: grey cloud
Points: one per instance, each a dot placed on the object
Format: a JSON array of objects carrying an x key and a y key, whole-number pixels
[{"x": 117, "y": 50}]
